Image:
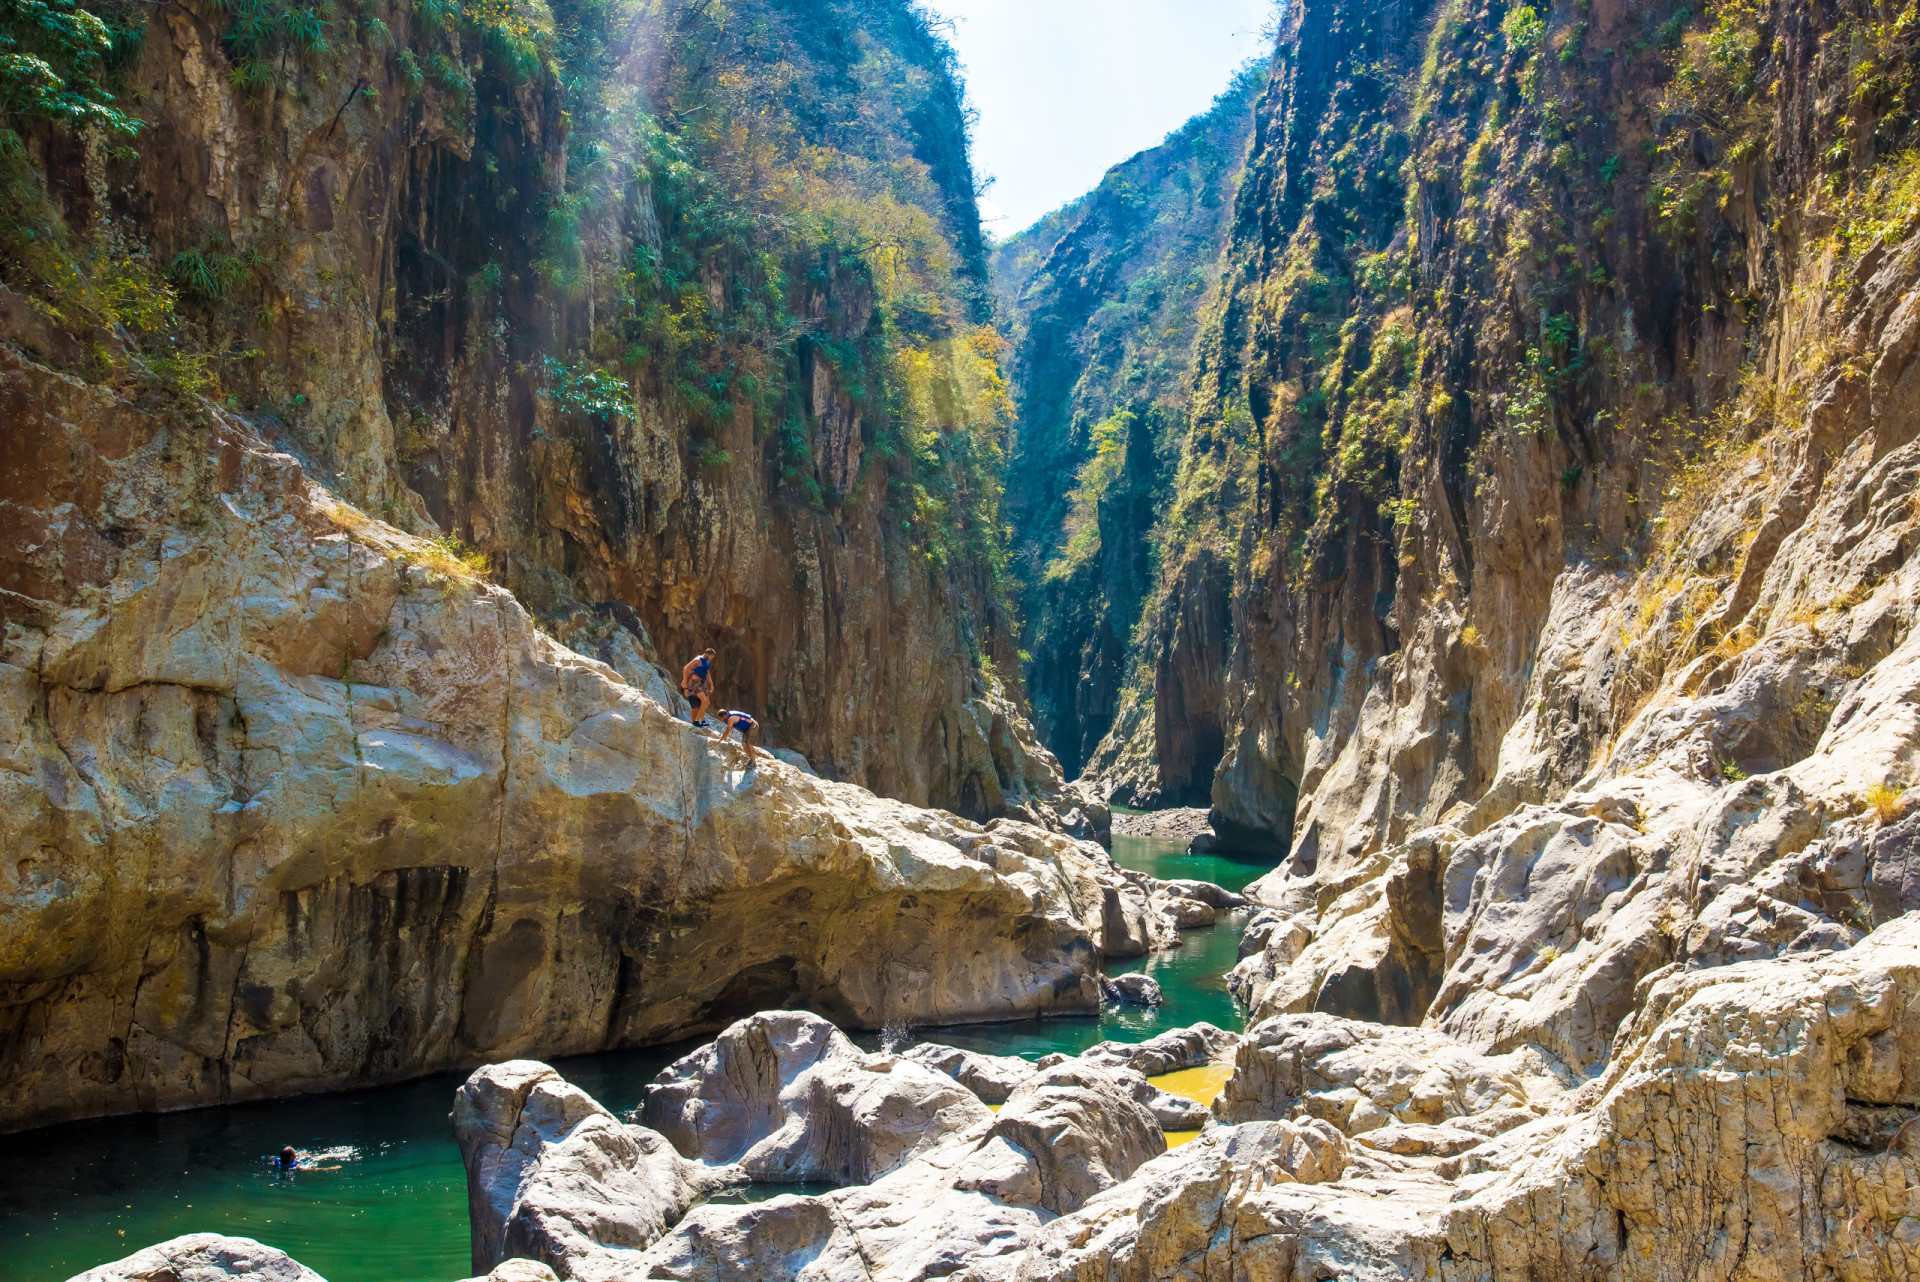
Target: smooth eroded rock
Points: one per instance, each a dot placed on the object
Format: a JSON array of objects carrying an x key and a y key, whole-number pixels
[
  {"x": 204, "y": 1257},
  {"x": 790, "y": 1099},
  {"x": 554, "y": 1177},
  {"x": 1083, "y": 1128}
]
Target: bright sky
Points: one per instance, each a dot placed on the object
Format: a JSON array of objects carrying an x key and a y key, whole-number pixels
[{"x": 1068, "y": 88}]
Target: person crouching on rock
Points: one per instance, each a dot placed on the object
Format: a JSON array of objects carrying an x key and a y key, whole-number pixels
[
  {"x": 746, "y": 725},
  {"x": 696, "y": 682}
]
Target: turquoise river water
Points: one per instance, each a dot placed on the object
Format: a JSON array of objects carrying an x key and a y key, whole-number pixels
[{"x": 388, "y": 1202}]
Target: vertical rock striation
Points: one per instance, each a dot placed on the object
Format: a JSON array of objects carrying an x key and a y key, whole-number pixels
[
  {"x": 1102, "y": 301},
  {"x": 294, "y": 802},
  {"x": 604, "y": 301}
]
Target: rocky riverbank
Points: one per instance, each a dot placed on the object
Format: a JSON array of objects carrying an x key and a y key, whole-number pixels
[
  {"x": 1171, "y": 825},
  {"x": 1336, "y": 1148},
  {"x": 298, "y": 803}
]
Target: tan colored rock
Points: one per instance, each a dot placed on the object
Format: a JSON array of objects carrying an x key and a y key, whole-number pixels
[
  {"x": 1741, "y": 1131},
  {"x": 553, "y": 1177},
  {"x": 786, "y": 1097},
  {"x": 1360, "y": 1077},
  {"x": 204, "y": 1257},
  {"x": 1170, "y": 1112},
  {"x": 291, "y": 809},
  {"x": 1180, "y": 1216},
  {"x": 1082, "y": 1127}
]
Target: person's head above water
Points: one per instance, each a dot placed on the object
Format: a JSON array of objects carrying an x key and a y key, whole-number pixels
[{"x": 288, "y": 1157}]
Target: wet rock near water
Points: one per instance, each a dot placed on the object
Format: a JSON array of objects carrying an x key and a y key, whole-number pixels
[
  {"x": 204, "y": 1257},
  {"x": 1167, "y": 1052},
  {"x": 1132, "y": 990},
  {"x": 1164, "y": 825}
]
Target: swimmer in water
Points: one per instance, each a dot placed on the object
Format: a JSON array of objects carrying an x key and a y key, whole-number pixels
[{"x": 287, "y": 1161}]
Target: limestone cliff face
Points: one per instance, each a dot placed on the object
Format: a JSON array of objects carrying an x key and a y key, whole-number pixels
[
  {"x": 556, "y": 299},
  {"x": 1102, "y": 301},
  {"x": 1542, "y": 544},
  {"x": 291, "y": 801}
]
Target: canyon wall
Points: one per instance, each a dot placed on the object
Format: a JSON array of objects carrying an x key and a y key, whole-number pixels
[
  {"x": 389, "y": 391},
  {"x": 293, "y": 801},
  {"x": 1102, "y": 301},
  {"x": 673, "y": 314},
  {"x": 1545, "y": 337}
]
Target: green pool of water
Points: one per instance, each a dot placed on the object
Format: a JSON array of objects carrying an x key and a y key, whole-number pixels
[{"x": 392, "y": 1204}]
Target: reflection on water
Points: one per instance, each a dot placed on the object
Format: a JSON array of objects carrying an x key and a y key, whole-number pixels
[{"x": 390, "y": 1204}]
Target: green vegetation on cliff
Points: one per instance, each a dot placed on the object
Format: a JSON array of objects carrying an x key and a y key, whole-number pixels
[
  {"x": 1102, "y": 300},
  {"x": 668, "y": 312},
  {"x": 1496, "y": 277}
]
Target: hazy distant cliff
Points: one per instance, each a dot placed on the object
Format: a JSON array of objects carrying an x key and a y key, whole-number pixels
[{"x": 1103, "y": 300}]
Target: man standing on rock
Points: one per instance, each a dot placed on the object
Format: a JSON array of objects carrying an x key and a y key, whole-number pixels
[{"x": 696, "y": 682}]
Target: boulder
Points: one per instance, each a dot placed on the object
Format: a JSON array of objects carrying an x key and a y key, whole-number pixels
[
  {"x": 1360, "y": 1076},
  {"x": 1083, "y": 1129},
  {"x": 786, "y": 1096},
  {"x": 1167, "y": 1052},
  {"x": 1205, "y": 892},
  {"x": 1187, "y": 914},
  {"x": 1254, "y": 935},
  {"x": 991, "y": 1077},
  {"x": 1186, "y": 1207},
  {"x": 783, "y": 1239},
  {"x": 1172, "y": 1112},
  {"x": 1134, "y": 989},
  {"x": 554, "y": 1177},
  {"x": 203, "y": 1257}
]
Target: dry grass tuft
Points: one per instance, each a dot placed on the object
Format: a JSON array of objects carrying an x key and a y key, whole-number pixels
[
  {"x": 1884, "y": 800},
  {"x": 449, "y": 555},
  {"x": 446, "y": 554}
]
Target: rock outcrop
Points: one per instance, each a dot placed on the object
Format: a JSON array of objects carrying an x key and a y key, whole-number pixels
[
  {"x": 991, "y": 1077},
  {"x": 937, "y": 1185},
  {"x": 204, "y": 1257},
  {"x": 1185, "y": 1214},
  {"x": 1361, "y": 1077},
  {"x": 789, "y": 1099},
  {"x": 1167, "y": 1052},
  {"x": 1082, "y": 1128},
  {"x": 554, "y": 1178},
  {"x": 1751, "y": 1124},
  {"x": 296, "y": 804}
]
